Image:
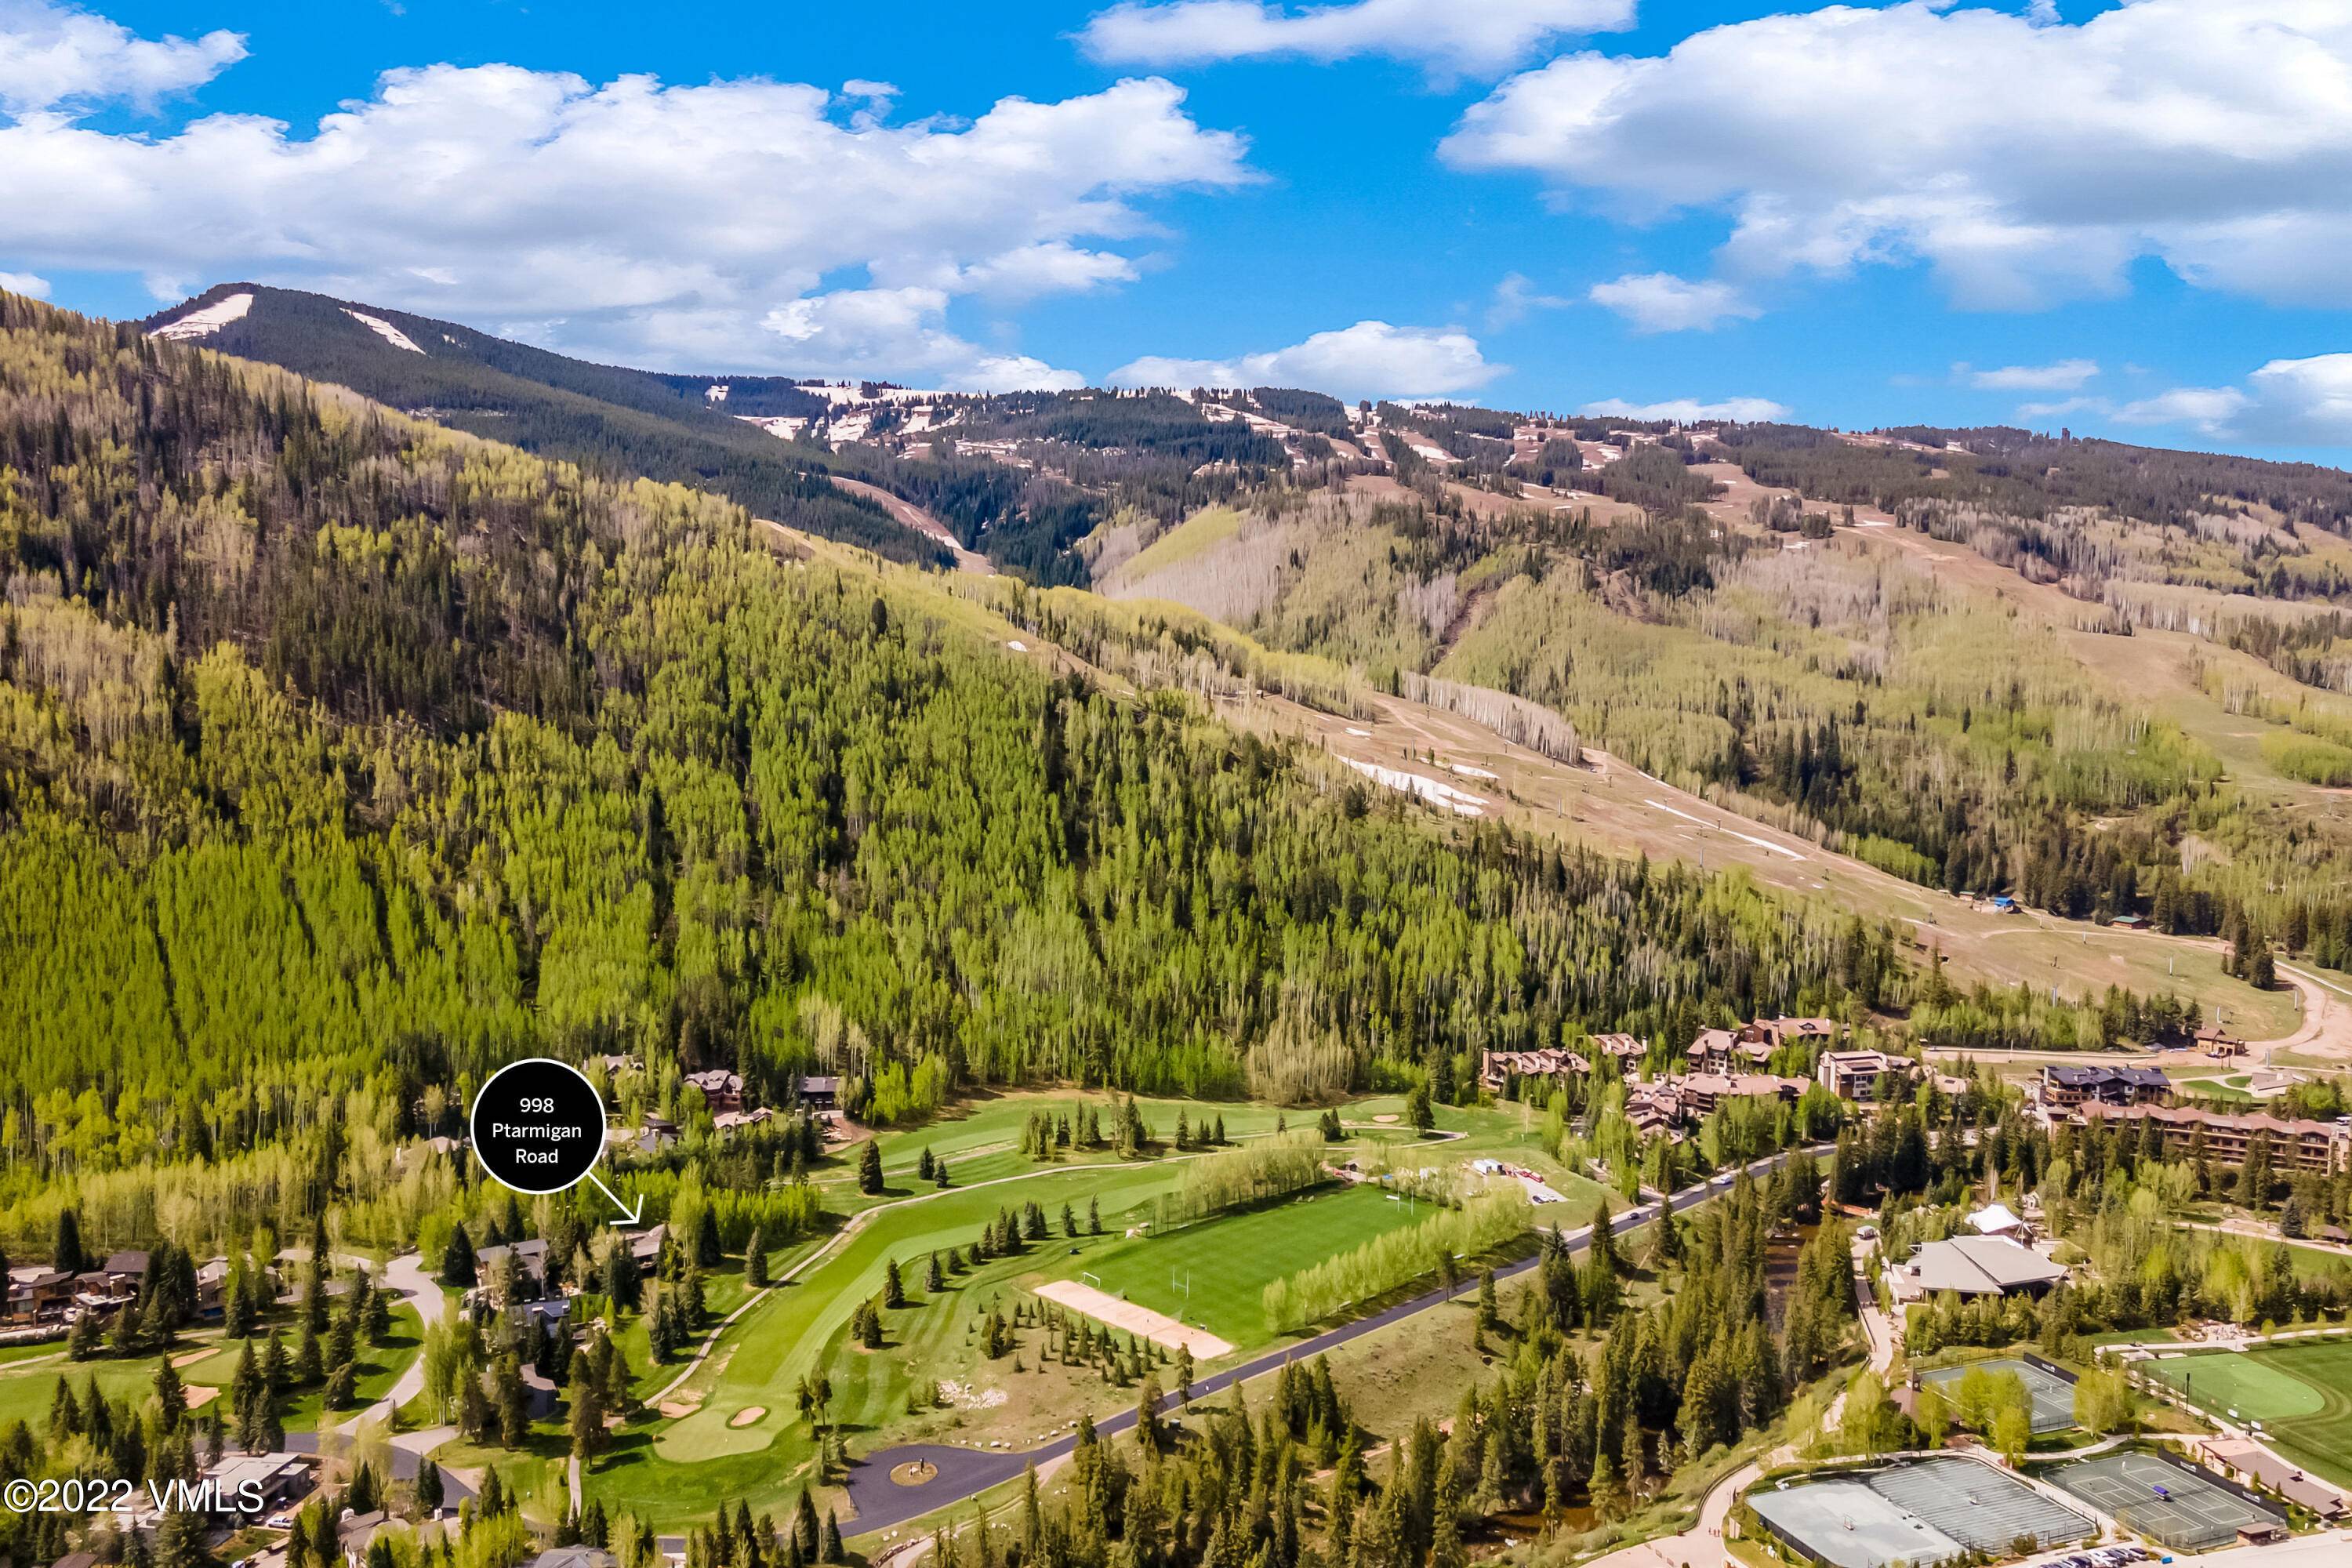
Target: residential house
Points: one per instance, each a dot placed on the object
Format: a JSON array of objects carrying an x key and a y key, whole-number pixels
[
  {"x": 2215, "y": 1041},
  {"x": 645, "y": 1247},
  {"x": 2072, "y": 1086},
  {"x": 721, "y": 1091},
  {"x": 820, "y": 1092},
  {"x": 36, "y": 1294},
  {"x": 531, "y": 1260},
  {"x": 574, "y": 1557},
  {"x": 212, "y": 1284},
  {"x": 656, "y": 1135},
  {"x": 280, "y": 1479},
  {"x": 728, "y": 1122},
  {"x": 354, "y": 1532}
]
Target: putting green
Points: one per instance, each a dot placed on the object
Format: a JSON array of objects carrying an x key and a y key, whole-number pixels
[{"x": 2254, "y": 1387}]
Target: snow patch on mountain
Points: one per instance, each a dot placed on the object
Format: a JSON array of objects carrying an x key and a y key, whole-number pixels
[
  {"x": 383, "y": 329},
  {"x": 204, "y": 323}
]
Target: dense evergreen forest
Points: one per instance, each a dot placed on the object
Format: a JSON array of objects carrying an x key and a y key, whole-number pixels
[{"x": 342, "y": 756}]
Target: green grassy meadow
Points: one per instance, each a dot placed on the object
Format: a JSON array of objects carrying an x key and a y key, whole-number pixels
[
  {"x": 2302, "y": 1395},
  {"x": 1230, "y": 1260}
]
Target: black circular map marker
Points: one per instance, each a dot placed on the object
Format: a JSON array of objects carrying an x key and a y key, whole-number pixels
[{"x": 538, "y": 1125}]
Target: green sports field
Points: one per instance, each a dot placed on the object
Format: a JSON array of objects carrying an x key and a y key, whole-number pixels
[
  {"x": 1229, "y": 1261},
  {"x": 2302, "y": 1395}
]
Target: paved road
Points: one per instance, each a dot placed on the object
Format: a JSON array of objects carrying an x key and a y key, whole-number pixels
[
  {"x": 405, "y": 1276},
  {"x": 882, "y": 1504}
]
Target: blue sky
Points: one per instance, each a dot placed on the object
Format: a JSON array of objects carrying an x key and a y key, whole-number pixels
[{"x": 2123, "y": 218}]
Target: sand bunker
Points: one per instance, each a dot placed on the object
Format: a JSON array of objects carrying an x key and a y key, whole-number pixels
[
  {"x": 745, "y": 1417},
  {"x": 1157, "y": 1327},
  {"x": 679, "y": 1409}
]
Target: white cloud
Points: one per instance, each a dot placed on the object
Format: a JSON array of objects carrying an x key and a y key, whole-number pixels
[
  {"x": 1464, "y": 37},
  {"x": 2285, "y": 403},
  {"x": 1516, "y": 298},
  {"x": 25, "y": 283},
  {"x": 56, "y": 56},
  {"x": 2025, "y": 160},
  {"x": 2063, "y": 376},
  {"x": 1689, "y": 410},
  {"x": 2210, "y": 409},
  {"x": 901, "y": 333},
  {"x": 2301, "y": 401},
  {"x": 2065, "y": 405},
  {"x": 1055, "y": 266},
  {"x": 1371, "y": 359},
  {"x": 1662, "y": 302},
  {"x": 630, "y": 220}
]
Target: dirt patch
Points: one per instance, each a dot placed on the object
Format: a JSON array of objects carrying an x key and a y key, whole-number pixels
[
  {"x": 749, "y": 1413},
  {"x": 914, "y": 1473},
  {"x": 1157, "y": 1327}
]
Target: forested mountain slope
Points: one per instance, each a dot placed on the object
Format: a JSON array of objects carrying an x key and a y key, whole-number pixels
[
  {"x": 341, "y": 753},
  {"x": 617, "y": 422},
  {"x": 2098, "y": 677}
]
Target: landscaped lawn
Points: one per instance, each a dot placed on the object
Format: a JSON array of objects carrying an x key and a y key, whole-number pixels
[
  {"x": 2250, "y": 1386},
  {"x": 983, "y": 1142},
  {"x": 25, "y": 1395},
  {"x": 1228, "y": 1261},
  {"x": 380, "y": 1367},
  {"x": 670, "y": 1471},
  {"x": 2321, "y": 1439}
]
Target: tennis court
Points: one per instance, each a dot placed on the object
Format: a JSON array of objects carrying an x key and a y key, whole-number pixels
[
  {"x": 2052, "y": 1397},
  {"x": 2187, "y": 1509},
  {"x": 1909, "y": 1513}
]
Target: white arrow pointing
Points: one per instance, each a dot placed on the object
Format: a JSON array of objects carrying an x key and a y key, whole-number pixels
[{"x": 629, "y": 1215}]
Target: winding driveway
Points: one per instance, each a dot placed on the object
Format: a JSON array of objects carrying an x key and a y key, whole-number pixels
[{"x": 882, "y": 1504}]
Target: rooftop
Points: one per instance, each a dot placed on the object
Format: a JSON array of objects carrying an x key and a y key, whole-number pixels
[{"x": 1978, "y": 1266}]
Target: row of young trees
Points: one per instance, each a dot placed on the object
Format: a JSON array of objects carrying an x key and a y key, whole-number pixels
[{"x": 1397, "y": 1257}]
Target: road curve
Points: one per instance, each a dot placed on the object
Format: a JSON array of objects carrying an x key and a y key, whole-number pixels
[
  {"x": 405, "y": 1277},
  {"x": 881, "y": 1503}
]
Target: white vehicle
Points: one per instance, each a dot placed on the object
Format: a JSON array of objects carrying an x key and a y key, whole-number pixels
[{"x": 279, "y": 1521}]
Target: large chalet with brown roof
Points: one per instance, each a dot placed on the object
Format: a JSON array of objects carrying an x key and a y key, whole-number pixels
[
  {"x": 2299, "y": 1145},
  {"x": 1749, "y": 1047},
  {"x": 1497, "y": 1068}
]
